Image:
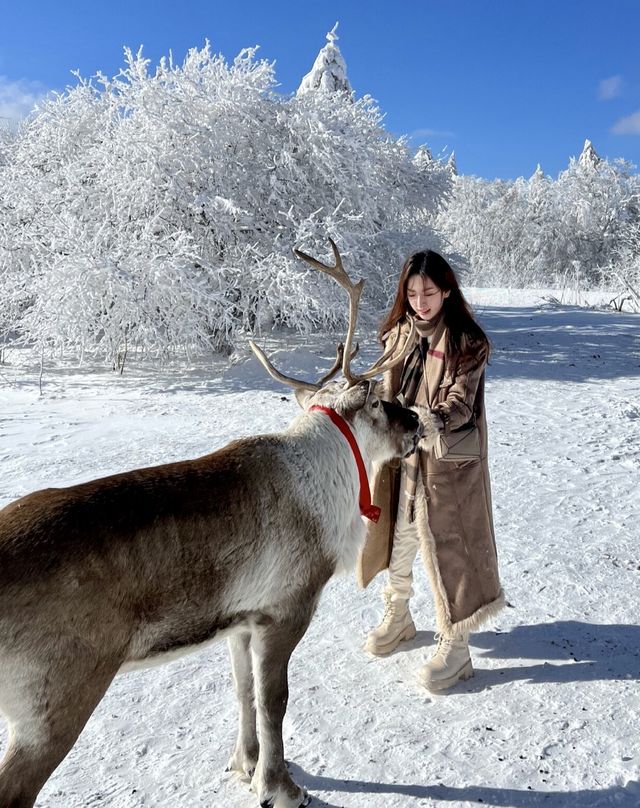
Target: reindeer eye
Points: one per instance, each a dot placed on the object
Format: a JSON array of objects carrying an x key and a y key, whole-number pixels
[{"x": 375, "y": 403}]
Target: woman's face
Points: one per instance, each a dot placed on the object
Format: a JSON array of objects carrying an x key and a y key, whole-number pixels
[{"x": 424, "y": 297}]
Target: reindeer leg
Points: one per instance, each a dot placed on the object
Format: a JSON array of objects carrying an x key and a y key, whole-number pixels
[
  {"x": 47, "y": 706},
  {"x": 245, "y": 754},
  {"x": 272, "y": 646}
]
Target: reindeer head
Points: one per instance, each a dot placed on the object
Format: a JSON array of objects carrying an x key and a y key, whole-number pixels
[{"x": 384, "y": 430}]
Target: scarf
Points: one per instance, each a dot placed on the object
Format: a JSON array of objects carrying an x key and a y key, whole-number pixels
[{"x": 421, "y": 377}]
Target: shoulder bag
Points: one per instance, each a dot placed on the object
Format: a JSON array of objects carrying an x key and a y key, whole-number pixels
[{"x": 458, "y": 444}]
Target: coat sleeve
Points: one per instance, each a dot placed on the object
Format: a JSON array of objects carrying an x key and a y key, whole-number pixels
[{"x": 458, "y": 407}]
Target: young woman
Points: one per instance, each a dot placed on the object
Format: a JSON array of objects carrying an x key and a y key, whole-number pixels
[{"x": 441, "y": 505}]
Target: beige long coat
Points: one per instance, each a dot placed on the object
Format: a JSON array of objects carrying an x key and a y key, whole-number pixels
[{"x": 453, "y": 508}]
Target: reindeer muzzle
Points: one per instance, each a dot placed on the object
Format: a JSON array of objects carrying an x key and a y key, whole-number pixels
[{"x": 408, "y": 422}]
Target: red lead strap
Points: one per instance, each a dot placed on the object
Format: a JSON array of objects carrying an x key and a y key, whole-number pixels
[{"x": 372, "y": 512}]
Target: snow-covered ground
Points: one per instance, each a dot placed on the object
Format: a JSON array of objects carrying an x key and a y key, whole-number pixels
[{"x": 551, "y": 716}]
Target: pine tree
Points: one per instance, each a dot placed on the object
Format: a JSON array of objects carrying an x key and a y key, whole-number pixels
[{"x": 329, "y": 71}]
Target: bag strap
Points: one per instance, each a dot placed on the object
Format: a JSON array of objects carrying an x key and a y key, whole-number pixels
[{"x": 472, "y": 422}]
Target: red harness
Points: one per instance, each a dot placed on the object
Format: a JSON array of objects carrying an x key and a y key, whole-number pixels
[{"x": 372, "y": 512}]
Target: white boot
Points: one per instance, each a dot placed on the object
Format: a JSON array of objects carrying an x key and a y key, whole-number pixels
[
  {"x": 396, "y": 626},
  {"x": 450, "y": 663}
]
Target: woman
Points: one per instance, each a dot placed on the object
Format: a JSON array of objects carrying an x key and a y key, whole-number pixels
[{"x": 442, "y": 505}]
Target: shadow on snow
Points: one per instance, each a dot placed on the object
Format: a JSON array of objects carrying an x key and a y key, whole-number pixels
[
  {"x": 546, "y": 343},
  {"x": 627, "y": 796},
  {"x": 552, "y": 343},
  {"x": 571, "y": 652}
]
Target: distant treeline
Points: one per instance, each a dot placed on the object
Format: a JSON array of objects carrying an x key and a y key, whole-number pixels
[{"x": 156, "y": 212}]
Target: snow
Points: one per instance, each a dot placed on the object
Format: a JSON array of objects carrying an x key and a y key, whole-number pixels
[
  {"x": 550, "y": 717},
  {"x": 104, "y": 251},
  {"x": 329, "y": 71},
  {"x": 589, "y": 156}
]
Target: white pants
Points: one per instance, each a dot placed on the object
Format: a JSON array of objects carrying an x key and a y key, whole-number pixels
[{"x": 403, "y": 554}]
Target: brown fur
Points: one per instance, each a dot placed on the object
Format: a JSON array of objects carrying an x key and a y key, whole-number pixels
[{"x": 128, "y": 568}]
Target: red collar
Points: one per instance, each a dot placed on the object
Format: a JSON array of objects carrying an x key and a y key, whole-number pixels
[{"x": 372, "y": 512}]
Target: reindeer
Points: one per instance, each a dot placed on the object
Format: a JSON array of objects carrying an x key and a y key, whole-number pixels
[{"x": 139, "y": 567}]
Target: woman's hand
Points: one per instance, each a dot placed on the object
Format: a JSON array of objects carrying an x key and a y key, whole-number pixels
[{"x": 431, "y": 425}]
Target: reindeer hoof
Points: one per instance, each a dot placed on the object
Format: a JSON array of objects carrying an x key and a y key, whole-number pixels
[
  {"x": 243, "y": 774},
  {"x": 243, "y": 764},
  {"x": 269, "y": 803}
]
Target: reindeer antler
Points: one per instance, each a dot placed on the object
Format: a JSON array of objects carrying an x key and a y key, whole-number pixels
[
  {"x": 344, "y": 354},
  {"x": 338, "y": 363},
  {"x": 385, "y": 362},
  {"x": 298, "y": 384},
  {"x": 354, "y": 290}
]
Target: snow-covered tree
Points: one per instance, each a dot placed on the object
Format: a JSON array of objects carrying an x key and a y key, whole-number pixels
[
  {"x": 484, "y": 222},
  {"x": 589, "y": 158},
  {"x": 595, "y": 202},
  {"x": 329, "y": 71},
  {"x": 624, "y": 273},
  {"x": 156, "y": 211},
  {"x": 542, "y": 231}
]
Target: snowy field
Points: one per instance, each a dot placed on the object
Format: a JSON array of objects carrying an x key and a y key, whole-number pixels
[{"x": 551, "y": 717}]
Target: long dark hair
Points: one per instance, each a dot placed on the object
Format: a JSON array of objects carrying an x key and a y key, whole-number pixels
[{"x": 465, "y": 335}]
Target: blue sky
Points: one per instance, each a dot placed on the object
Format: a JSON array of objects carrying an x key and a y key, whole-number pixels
[{"x": 504, "y": 83}]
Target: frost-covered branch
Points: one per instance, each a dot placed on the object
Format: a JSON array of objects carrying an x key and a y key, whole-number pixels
[{"x": 158, "y": 210}]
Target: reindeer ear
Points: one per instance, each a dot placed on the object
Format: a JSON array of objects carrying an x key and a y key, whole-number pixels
[
  {"x": 303, "y": 396},
  {"x": 354, "y": 398},
  {"x": 377, "y": 386},
  {"x": 367, "y": 387}
]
